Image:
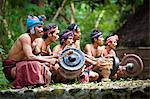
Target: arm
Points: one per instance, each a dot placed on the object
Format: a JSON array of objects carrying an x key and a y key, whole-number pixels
[
  {"x": 27, "y": 49},
  {"x": 87, "y": 50},
  {"x": 77, "y": 44},
  {"x": 37, "y": 45},
  {"x": 56, "y": 49}
]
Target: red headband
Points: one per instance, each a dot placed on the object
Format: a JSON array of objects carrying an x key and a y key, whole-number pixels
[
  {"x": 50, "y": 30},
  {"x": 112, "y": 38}
]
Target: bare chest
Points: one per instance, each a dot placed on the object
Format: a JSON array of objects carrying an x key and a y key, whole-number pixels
[{"x": 95, "y": 52}]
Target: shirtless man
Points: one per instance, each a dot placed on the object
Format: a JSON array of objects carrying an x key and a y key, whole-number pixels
[
  {"x": 76, "y": 30},
  {"x": 42, "y": 45},
  {"x": 21, "y": 51},
  {"x": 109, "y": 50},
  {"x": 94, "y": 50},
  {"x": 66, "y": 40},
  {"x": 110, "y": 46}
]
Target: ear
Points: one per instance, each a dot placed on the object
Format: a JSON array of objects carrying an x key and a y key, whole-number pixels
[{"x": 95, "y": 39}]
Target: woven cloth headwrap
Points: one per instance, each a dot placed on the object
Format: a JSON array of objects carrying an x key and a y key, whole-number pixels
[
  {"x": 112, "y": 38},
  {"x": 33, "y": 21},
  {"x": 65, "y": 36},
  {"x": 50, "y": 30},
  {"x": 96, "y": 34}
]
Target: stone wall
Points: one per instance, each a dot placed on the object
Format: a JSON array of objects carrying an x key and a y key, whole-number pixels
[{"x": 139, "y": 89}]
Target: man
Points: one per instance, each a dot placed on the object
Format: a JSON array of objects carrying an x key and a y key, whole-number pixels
[
  {"x": 92, "y": 76},
  {"x": 94, "y": 51},
  {"x": 110, "y": 46},
  {"x": 76, "y": 30},
  {"x": 109, "y": 51},
  {"x": 42, "y": 45},
  {"x": 66, "y": 40},
  {"x": 22, "y": 67}
]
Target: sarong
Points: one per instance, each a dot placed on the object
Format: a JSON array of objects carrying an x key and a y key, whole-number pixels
[
  {"x": 8, "y": 65},
  {"x": 30, "y": 73}
]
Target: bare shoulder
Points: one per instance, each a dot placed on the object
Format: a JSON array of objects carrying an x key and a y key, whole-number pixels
[
  {"x": 57, "y": 47},
  {"x": 38, "y": 40},
  {"x": 87, "y": 48},
  {"x": 87, "y": 45},
  {"x": 25, "y": 38},
  {"x": 101, "y": 48}
]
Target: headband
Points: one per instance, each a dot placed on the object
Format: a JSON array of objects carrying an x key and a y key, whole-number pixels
[{"x": 112, "y": 38}]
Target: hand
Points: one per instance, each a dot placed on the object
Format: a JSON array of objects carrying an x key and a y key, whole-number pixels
[
  {"x": 53, "y": 61},
  {"x": 55, "y": 55}
]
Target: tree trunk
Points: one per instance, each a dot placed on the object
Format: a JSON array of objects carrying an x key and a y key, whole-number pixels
[
  {"x": 58, "y": 11},
  {"x": 99, "y": 18},
  {"x": 72, "y": 12},
  {"x": 1, "y": 7}
]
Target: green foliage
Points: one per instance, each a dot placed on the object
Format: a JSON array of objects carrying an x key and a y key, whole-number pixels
[
  {"x": 87, "y": 13},
  {"x": 4, "y": 84}
]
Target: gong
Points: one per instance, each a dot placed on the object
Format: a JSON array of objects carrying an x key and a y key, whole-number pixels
[
  {"x": 116, "y": 63},
  {"x": 71, "y": 61},
  {"x": 133, "y": 63}
]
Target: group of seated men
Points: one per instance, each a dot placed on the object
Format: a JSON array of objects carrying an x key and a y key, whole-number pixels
[{"x": 31, "y": 61}]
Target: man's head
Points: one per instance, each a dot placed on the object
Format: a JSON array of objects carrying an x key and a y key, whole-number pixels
[
  {"x": 67, "y": 37},
  {"x": 96, "y": 37},
  {"x": 76, "y": 30},
  {"x": 51, "y": 31},
  {"x": 111, "y": 41},
  {"x": 35, "y": 24}
]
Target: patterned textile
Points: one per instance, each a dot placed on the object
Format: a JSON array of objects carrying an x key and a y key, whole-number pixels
[
  {"x": 8, "y": 65},
  {"x": 30, "y": 73}
]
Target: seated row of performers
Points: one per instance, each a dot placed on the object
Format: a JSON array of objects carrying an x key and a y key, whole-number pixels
[{"x": 31, "y": 61}]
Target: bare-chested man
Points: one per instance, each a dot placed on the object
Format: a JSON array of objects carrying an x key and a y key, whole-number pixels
[
  {"x": 94, "y": 49},
  {"x": 41, "y": 46},
  {"x": 76, "y": 30},
  {"x": 66, "y": 40},
  {"x": 21, "y": 66},
  {"x": 109, "y": 51},
  {"x": 110, "y": 45}
]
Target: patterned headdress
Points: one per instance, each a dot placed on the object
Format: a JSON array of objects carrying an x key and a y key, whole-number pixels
[
  {"x": 65, "y": 35},
  {"x": 112, "y": 38},
  {"x": 33, "y": 21}
]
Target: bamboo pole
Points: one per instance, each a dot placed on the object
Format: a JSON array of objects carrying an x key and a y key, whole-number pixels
[{"x": 58, "y": 11}]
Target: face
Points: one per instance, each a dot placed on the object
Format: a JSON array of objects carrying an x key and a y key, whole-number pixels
[
  {"x": 77, "y": 34},
  {"x": 54, "y": 36},
  {"x": 39, "y": 30},
  {"x": 113, "y": 44},
  {"x": 99, "y": 40},
  {"x": 69, "y": 41}
]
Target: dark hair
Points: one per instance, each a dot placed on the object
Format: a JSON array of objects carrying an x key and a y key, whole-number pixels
[
  {"x": 95, "y": 34},
  {"x": 62, "y": 37},
  {"x": 46, "y": 28},
  {"x": 107, "y": 38},
  {"x": 73, "y": 27}
]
